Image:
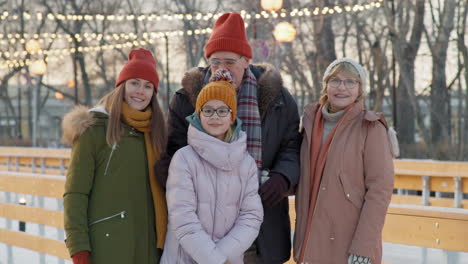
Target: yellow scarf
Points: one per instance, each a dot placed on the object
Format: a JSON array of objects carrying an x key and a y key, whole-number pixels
[{"x": 141, "y": 122}]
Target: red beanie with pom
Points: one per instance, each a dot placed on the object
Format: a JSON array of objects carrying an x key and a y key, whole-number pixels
[
  {"x": 141, "y": 64},
  {"x": 229, "y": 35}
]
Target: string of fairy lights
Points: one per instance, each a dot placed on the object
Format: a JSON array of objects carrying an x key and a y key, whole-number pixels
[
  {"x": 61, "y": 53},
  {"x": 146, "y": 36},
  {"x": 5, "y": 15},
  {"x": 44, "y": 37},
  {"x": 18, "y": 58},
  {"x": 22, "y": 38},
  {"x": 52, "y": 54}
]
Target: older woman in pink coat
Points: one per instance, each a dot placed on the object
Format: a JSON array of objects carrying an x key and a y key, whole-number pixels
[{"x": 346, "y": 173}]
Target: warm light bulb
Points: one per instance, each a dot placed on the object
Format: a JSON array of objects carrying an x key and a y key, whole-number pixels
[
  {"x": 284, "y": 32},
  {"x": 59, "y": 96},
  {"x": 38, "y": 67},
  {"x": 33, "y": 46},
  {"x": 271, "y": 5}
]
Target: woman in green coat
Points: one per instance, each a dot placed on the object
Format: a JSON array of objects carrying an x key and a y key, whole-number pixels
[{"x": 115, "y": 211}]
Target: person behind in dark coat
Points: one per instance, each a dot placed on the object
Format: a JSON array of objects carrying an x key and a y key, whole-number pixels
[
  {"x": 114, "y": 209},
  {"x": 270, "y": 118}
]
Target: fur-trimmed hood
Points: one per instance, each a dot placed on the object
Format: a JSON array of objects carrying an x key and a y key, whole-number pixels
[
  {"x": 75, "y": 122},
  {"x": 268, "y": 78}
]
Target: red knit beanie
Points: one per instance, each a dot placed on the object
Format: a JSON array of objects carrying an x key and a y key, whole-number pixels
[
  {"x": 141, "y": 64},
  {"x": 229, "y": 35}
]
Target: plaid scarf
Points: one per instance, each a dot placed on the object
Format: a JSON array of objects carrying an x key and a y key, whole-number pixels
[{"x": 247, "y": 111}]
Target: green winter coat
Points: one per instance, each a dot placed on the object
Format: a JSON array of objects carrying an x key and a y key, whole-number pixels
[{"x": 108, "y": 205}]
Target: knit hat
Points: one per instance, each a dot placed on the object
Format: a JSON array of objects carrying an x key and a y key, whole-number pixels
[
  {"x": 221, "y": 87},
  {"x": 361, "y": 71},
  {"x": 141, "y": 64},
  {"x": 229, "y": 35}
]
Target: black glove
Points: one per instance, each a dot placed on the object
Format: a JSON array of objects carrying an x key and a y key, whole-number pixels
[{"x": 274, "y": 189}]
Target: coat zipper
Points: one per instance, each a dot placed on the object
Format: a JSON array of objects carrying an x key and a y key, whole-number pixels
[
  {"x": 214, "y": 211},
  {"x": 179, "y": 254},
  {"x": 121, "y": 214},
  {"x": 114, "y": 146}
]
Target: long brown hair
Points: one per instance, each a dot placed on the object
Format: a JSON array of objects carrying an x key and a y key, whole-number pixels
[{"x": 112, "y": 102}]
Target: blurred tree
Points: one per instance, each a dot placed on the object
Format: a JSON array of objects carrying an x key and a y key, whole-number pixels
[
  {"x": 72, "y": 28},
  {"x": 462, "y": 62},
  {"x": 406, "y": 27},
  {"x": 438, "y": 40}
]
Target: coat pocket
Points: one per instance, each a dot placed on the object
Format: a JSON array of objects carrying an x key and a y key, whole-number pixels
[
  {"x": 110, "y": 239},
  {"x": 121, "y": 214},
  {"x": 351, "y": 191}
]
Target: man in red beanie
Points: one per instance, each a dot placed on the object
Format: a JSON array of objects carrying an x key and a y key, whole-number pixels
[{"x": 270, "y": 118}]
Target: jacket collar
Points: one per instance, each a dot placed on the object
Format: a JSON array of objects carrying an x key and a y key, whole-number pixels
[
  {"x": 220, "y": 154},
  {"x": 354, "y": 112},
  {"x": 308, "y": 118},
  {"x": 310, "y": 110},
  {"x": 99, "y": 109},
  {"x": 268, "y": 78}
]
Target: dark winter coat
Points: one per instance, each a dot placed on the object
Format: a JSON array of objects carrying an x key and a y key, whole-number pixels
[
  {"x": 280, "y": 147},
  {"x": 108, "y": 206}
]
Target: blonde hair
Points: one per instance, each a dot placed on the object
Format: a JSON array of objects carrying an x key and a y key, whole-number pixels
[
  {"x": 229, "y": 135},
  {"x": 112, "y": 102},
  {"x": 346, "y": 68}
]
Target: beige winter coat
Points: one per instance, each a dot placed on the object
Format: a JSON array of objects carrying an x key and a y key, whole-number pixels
[{"x": 354, "y": 193}]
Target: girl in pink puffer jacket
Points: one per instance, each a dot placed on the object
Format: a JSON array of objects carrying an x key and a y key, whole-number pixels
[{"x": 215, "y": 211}]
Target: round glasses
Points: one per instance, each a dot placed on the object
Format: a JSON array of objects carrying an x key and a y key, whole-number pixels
[
  {"x": 348, "y": 83},
  {"x": 214, "y": 62},
  {"x": 220, "y": 111}
]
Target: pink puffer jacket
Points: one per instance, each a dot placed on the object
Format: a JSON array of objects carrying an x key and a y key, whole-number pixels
[{"x": 215, "y": 211}]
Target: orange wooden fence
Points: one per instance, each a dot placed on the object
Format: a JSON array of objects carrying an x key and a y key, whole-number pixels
[{"x": 421, "y": 220}]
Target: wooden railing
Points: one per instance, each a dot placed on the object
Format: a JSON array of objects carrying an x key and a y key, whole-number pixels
[
  {"x": 38, "y": 185},
  {"x": 423, "y": 226},
  {"x": 428, "y": 176},
  {"x": 423, "y": 176},
  {"x": 407, "y": 222},
  {"x": 34, "y": 160}
]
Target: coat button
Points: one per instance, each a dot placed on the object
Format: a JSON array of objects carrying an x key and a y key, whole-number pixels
[
  {"x": 332, "y": 238},
  {"x": 107, "y": 235},
  {"x": 347, "y": 195},
  {"x": 323, "y": 188}
]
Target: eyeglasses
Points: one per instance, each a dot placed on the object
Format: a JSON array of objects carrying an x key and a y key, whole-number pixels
[
  {"x": 227, "y": 62},
  {"x": 348, "y": 83},
  {"x": 221, "y": 111}
]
